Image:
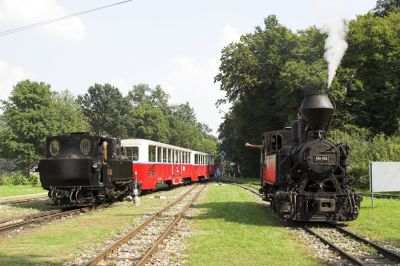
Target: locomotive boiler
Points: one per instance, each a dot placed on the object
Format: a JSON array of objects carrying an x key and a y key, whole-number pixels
[
  {"x": 303, "y": 173},
  {"x": 81, "y": 170}
]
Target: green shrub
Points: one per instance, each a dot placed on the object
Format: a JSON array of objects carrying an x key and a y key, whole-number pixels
[
  {"x": 16, "y": 178},
  {"x": 34, "y": 180},
  {"x": 365, "y": 149}
]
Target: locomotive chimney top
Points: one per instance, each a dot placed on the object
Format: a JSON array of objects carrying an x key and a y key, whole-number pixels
[{"x": 317, "y": 110}]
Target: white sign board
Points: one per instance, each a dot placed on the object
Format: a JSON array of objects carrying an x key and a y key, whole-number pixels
[{"x": 384, "y": 176}]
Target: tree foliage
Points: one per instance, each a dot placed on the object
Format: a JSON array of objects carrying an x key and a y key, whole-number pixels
[
  {"x": 106, "y": 109},
  {"x": 31, "y": 113},
  {"x": 373, "y": 61},
  {"x": 154, "y": 118},
  {"x": 149, "y": 122},
  {"x": 267, "y": 73},
  {"x": 34, "y": 112},
  {"x": 384, "y": 7}
]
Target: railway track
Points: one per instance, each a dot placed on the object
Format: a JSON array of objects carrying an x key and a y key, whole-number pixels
[
  {"x": 21, "y": 201},
  {"x": 12, "y": 224},
  {"x": 352, "y": 247},
  {"x": 242, "y": 185},
  {"x": 141, "y": 243},
  {"x": 248, "y": 188}
]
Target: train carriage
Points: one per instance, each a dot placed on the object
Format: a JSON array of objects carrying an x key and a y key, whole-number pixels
[{"x": 155, "y": 163}]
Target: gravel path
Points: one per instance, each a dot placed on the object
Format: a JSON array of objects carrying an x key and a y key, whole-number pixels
[
  {"x": 173, "y": 249},
  {"x": 130, "y": 253},
  {"x": 323, "y": 252}
]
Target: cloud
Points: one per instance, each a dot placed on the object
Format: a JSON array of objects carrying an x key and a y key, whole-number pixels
[
  {"x": 191, "y": 81},
  {"x": 230, "y": 34},
  {"x": 18, "y": 13},
  {"x": 10, "y": 76},
  {"x": 123, "y": 85}
]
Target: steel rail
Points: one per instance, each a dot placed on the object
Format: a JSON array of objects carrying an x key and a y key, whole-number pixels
[
  {"x": 348, "y": 256},
  {"x": 240, "y": 184},
  {"x": 11, "y": 202},
  {"x": 22, "y": 221},
  {"x": 384, "y": 251},
  {"x": 248, "y": 189},
  {"x": 134, "y": 232},
  {"x": 151, "y": 251}
]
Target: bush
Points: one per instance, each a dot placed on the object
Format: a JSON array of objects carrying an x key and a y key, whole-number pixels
[
  {"x": 16, "y": 178},
  {"x": 365, "y": 149},
  {"x": 34, "y": 180}
]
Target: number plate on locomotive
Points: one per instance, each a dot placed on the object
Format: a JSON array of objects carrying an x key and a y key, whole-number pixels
[{"x": 321, "y": 158}]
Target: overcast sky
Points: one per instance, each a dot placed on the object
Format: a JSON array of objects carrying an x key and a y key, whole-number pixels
[{"x": 173, "y": 43}]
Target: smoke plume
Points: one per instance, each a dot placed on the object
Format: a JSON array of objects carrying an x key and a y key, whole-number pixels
[{"x": 335, "y": 46}]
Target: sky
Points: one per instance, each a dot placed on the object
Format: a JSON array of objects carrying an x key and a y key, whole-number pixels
[{"x": 176, "y": 44}]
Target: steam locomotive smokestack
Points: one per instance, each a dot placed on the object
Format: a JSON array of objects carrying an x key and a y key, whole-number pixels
[{"x": 317, "y": 110}]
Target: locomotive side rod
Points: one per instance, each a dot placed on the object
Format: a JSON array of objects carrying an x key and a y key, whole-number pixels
[{"x": 134, "y": 232}]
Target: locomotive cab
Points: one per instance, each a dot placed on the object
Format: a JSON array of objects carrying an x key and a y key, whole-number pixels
[{"x": 272, "y": 157}]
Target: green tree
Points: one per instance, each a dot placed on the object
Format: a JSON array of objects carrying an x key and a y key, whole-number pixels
[
  {"x": 371, "y": 74},
  {"x": 156, "y": 97},
  {"x": 149, "y": 122},
  {"x": 267, "y": 73},
  {"x": 153, "y": 118},
  {"x": 187, "y": 132},
  {"x": 384, "y": 7},
  {"x": 68, "y": 109},
  {"x": 32, "y": 113},
  {"x": 107, "y": 110},
  {"x": 250, "y": 75}
]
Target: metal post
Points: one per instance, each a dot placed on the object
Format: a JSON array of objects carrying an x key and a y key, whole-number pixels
[
  {"x": 370, "y": 185},
  {"x": 136, "y": 199}
]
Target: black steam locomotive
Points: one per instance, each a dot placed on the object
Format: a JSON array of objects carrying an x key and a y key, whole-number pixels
[
  {"x": 84, "y": 170},
  {"x": 303, "y": 173}
]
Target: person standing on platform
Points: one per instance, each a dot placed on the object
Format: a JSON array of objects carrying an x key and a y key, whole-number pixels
[{"x": 217, "y": 174}]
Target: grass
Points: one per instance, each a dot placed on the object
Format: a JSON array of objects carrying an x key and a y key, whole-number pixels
[
  {"x": 234, "y": 228},
  {"x": 62, "y": 241},
  {"x": 18, "y": 210},
  {"x": 8, "y": 190},
  {"x": 381, "y": 222}
]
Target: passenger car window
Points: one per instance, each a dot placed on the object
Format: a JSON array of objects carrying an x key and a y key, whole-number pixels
[
  {"x": 132, "y": 153},
  {"x": 159, "y": 154},
  {"x": 152, "y": 153}
]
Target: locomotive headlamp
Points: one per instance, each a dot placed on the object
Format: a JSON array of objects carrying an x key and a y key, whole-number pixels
[
  {"x": 54, "y": 147},
  {"x": 85, "y": 146}
]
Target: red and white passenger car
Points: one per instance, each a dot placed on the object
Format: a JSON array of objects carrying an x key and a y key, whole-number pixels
[{"x": 155, "y": 163}]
